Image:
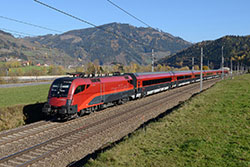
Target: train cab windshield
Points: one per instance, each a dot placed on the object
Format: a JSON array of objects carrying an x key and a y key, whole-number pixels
[{"x": 60, "y": 88}]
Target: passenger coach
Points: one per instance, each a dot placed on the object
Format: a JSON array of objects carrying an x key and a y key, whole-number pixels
[{"x": 75, "y": 96}]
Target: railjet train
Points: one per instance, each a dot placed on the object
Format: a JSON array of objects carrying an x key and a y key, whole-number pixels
[{"x": 75, "y": 96}]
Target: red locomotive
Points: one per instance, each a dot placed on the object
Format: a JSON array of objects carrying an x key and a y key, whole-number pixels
[{"x": 72, "y": 96}]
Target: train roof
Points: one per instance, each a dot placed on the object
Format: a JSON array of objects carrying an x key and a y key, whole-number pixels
[
  {"x": 152, "y": 75},
  {"x": 138, "y": 75},
  {"x": 145, "y": 75},
  {"x": 164, "y": 73},
  {"x": 65, "y": 79},
  {"x": 89, "y": 80}
]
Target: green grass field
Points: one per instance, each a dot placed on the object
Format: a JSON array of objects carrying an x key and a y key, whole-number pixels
[
  {"x": 211, "y": 129},
  {"x": 21, "y": 105},
  {"x": 28, "y": 68},
  {"x": 23, "y": 95}
]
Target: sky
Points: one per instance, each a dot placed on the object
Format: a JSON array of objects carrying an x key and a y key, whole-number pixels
[{"x": 192, "y": 20}]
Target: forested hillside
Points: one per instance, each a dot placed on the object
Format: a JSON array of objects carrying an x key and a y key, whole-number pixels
[
  {"x": 19, "y": 48},
  {"x": 113, "y": 42},
  {"x": 235, "y": 47}
]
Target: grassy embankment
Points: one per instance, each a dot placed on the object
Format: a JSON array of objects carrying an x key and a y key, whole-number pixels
[
  {"x": 211, "y": 129},
  {"x": 27, "y": 69},
  {"x": 21, "y": 105}
]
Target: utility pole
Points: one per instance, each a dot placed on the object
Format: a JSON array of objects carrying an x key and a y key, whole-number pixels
[
  {"x": 238, "y": 67},
  {"x": 7, "y": 71},
  {"x": 192, "y": 63},
  {"x": 231, "y": 68},
  {"x": 201, "y": 69},
  {"x": 153, "y": 60},
  {"x": 222, "y": 63}
]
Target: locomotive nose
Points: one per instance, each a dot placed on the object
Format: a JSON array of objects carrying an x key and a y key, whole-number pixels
[{"x": 58, "y": 102}]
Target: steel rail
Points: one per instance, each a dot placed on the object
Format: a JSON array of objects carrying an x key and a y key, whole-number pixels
[
  {"x": 79, "y": 130},
  {"x": 23, "y": 128}
]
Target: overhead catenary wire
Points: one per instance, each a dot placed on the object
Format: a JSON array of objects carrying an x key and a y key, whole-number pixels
[
  {"x": 17, "y": 32},
  {"x": 143, "y": 22},
  {"x": 128, "y": 13},
  {"x": 93, "y": 25},
  {"x": 30, "y": 24}
]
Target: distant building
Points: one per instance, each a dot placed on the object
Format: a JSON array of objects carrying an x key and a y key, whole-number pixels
[{"x": 25, "y": 63}]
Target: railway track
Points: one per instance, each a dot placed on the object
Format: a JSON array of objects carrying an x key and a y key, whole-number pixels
[
  {"x": 21, "y": 129},
  {"x": 87, "y": 131},
  {"x": 25, "y": 131},
  {"x": 14, "y": 135}
]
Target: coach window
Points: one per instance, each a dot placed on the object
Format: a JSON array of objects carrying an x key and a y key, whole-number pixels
[
  {"x": 79, "y": 89},
  {"x": 197, "y": 76},
  {"x": 156, "y": 81},
  {"x": 180, "y": 77}
]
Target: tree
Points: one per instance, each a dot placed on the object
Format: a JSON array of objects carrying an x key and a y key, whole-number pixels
[
  {"x": 196, "y": 67},
  {"x": 79, "y": 69},
  {"x": 90, "y": 68},
  {"x": 97, "y": 66},
  {"x": 158, "y": 67},
  {"x": 186, "y": 68},
  {"x": 13, "y": 64},
  {"x": 56, "y": 70},
  {"x": 205, "y": 68},
  {"x": 120, "y": 68},
  {"x": 133, "y": 67}
]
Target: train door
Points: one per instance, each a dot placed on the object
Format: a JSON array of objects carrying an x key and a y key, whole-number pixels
[
  {"x": 174, "y": 82},
  {"x": 78, "y": 97},
  {"x": 139, "y": 84},
  {"x": 102, "y": 91}
]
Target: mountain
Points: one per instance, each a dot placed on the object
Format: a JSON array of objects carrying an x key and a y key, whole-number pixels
[
  {"x": 18, "y": 48},
  {"x": 237, "y": 47},
  {"x": 113, "y": 42}
]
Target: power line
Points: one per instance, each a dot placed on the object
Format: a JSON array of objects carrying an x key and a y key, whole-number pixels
[
  {"x": 129, "y": 13},
  {"x": 60, "y": 11},
  {"x": 16, "y": 32},
  {"x": 153, "y": 58},
  {"x": 30, "y": 24},
  {"x": 89, "y": 23}
]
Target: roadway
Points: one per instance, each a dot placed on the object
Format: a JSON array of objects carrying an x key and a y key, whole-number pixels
[{"x": 24, "y": 84}]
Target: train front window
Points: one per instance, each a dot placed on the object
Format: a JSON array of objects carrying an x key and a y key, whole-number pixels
[{"x": 60, "y": 88}]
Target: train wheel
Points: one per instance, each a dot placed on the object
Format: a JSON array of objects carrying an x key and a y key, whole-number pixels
[
  {"x": 124, "y": 100},
  {"x": 143, "y": 94},
  {"x": 91, "y": 110},
  {"x": 81, "y": 113}
]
